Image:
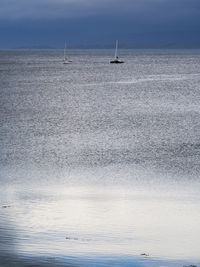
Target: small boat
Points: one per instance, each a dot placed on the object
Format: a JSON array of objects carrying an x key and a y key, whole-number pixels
[
  {"x": 116, "y": 60},
  {"x": 65, "y": 60}
]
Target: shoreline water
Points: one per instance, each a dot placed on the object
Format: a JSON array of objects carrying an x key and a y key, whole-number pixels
[
  {"x": 81, "y": 225},
  {"x": 101, "y": 261}
]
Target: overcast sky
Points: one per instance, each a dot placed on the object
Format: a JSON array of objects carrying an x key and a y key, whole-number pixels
[{"x": 135, "y": 23}]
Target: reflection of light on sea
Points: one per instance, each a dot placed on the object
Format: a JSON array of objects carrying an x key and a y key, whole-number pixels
[
  {"x": 149, "y": 78},
  {"x": 89, "y": 132},
  {"x": 100, "y": 220}
]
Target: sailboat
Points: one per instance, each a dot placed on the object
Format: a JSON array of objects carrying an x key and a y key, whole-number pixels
[
  {"x": 65, "y": 60},
  {"x": 116, "y": 60}
]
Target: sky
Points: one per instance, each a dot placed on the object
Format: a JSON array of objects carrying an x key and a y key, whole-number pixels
[{"x": 98, "y": 23}]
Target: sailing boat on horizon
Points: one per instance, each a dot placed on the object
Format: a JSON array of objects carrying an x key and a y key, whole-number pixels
[
  {"x": 116, "y": 59},
  {"x": 65, "y": 60}
]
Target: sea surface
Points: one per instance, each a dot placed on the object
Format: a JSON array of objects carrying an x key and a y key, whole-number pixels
[{"x": 100, "y": 163}]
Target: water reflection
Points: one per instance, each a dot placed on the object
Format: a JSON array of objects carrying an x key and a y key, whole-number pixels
[
  {"x": 82, "y": 147},
  {"x": 82, "y": 223}
]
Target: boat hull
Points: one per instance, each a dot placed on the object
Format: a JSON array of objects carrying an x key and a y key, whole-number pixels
[
  {"x": 116, "y": 62},
  {"x": 67, "y": 62}
]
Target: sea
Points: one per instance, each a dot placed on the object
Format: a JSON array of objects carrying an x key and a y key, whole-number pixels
[{"x": 100, "y": 162}]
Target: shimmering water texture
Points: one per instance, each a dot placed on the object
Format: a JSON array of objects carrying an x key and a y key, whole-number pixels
[{"x": 100, "y": 163}]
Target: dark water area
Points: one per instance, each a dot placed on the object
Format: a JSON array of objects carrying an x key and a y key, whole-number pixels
[{"x": 100, "y": 163}]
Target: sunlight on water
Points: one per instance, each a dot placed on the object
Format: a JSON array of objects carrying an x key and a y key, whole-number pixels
[
  {"x": 100, "y": 164},
  {"x": 90, "y": 220}
]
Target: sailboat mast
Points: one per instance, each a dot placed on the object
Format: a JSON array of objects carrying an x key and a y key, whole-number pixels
[
  {"x": 65, "y": 52},
  {"x": 116, "y": 48}
]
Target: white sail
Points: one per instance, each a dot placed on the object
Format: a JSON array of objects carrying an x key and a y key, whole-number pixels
[
  {"x": 116, "y": 48},
  {"x": 65, "y": 60},
  {"x": 65, "y": 52},
  {"x": 116, "y": 59}
]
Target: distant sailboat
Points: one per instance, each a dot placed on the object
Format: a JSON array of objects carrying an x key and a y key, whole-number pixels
[
  {"x": 65, "y": 60},
  {"x": 116, "y": 59}
]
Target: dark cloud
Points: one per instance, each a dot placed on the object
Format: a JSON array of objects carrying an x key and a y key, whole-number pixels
[
  {"x": 19, "y": 9},
  {"x": 94, "y": 21}
]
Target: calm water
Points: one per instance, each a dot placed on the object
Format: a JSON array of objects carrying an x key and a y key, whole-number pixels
[{"x": 100, "y": 163}]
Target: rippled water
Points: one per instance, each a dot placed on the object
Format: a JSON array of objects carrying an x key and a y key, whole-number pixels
[{"x": 99, "y": 163}]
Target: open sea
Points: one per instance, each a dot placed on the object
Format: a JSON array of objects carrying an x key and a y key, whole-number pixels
[{"x": 100, "y": 163}]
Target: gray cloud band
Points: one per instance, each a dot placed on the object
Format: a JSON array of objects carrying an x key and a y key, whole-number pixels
[{"x": 152, "y": 9}]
